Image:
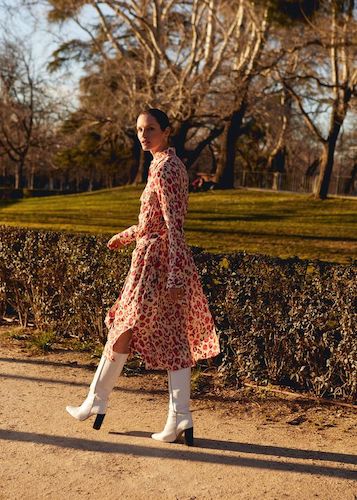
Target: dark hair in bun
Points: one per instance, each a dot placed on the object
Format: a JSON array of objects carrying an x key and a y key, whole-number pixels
[{"x": 161, "y": 117}]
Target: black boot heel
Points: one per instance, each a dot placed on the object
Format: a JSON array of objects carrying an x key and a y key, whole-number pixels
[
  {"x": 188, "y": 436},
  {"x": 98, "y": 421}
]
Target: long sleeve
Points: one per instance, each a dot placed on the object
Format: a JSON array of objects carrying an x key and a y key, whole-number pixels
[
  {"x": 128, "y": 235},
  {"x": 172, "y": 202}
]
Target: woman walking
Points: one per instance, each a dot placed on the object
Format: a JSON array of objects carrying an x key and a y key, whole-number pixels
[{"x": 161, "y": 312}]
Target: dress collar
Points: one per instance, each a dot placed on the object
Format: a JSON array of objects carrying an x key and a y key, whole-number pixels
[{"x": 165, "y": 152}]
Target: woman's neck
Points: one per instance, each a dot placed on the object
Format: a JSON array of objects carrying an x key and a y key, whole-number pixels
[{"x": 160, "y": 148}]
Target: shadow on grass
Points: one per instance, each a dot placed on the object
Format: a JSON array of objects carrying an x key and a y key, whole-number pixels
[
  {"x": 195, "y": 454},
  {"x": 224, "y": 217},
  {"x": 8, "y": 203},
  {"x": 270, "y": 236}
]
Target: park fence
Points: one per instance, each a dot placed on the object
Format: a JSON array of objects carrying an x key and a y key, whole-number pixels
[
  {"x": 293, "y": 181},
  {"x": 290, "y": 322}
]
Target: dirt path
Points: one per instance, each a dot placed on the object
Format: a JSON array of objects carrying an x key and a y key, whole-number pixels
[{"x": 245, "y": 447}]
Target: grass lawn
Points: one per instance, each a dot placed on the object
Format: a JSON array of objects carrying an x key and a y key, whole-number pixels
[{"x": 278, "y": 224}]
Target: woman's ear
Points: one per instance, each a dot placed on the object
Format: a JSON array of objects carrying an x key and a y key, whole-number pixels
[{"x": 168, "y": 131}]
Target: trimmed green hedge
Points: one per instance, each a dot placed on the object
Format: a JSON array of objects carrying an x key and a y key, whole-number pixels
[{"x": 290, "y": 322}]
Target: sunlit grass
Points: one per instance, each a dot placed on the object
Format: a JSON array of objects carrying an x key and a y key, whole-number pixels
[{"x": 278, "y": 224}]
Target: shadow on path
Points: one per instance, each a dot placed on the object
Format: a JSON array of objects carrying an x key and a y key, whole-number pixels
[
  {"x": 258, "y": 449},
  {"x": 204, "y": 397},
  {"x": 173, "y": 452},
  {"x": 80, "y": 384},
  {"x": 45, "y": 362}
]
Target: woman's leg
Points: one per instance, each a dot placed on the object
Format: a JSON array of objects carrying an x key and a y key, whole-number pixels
[
  {"x": 103, "y": 382},
  {"x": 179, "y": 420},
  {"x": 122, "y": 345}
]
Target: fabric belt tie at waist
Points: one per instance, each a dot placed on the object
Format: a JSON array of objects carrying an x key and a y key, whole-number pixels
[{"x": 152, "y": 235}]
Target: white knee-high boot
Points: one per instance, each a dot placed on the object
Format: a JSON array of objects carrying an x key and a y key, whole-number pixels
[
  {"x": 102, "y": 384},
  {"x": 179, "y": 419}
]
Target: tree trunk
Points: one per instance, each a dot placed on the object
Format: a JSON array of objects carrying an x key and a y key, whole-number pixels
[
  {"x": 136, "y": 161},
  {"x": 311, "y": 169},
  {"x": 65, "y": 182},
  {"x": 31, "y": 182},
  {"x": 276, "y": 161},
  {"x": 179, "y": 139},
  {"x": 109, "y": 181},
  {"x": 349, "y": 184},
  {"x": 77, "y": 182},
  {"x": 214, "y": 159},
  {"x": 91, "y": 181},
  {"x": 194, "y": 154},
  {"x": 225, "y": 174},
  {"x": 343, "y": 87},
  {"x": 142, "y": 173},
  {"x": 19, "y": 168},
  {"x": 326, "y": 162}
]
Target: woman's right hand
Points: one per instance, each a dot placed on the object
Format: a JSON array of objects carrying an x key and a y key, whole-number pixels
[{"x": 114, "y": 243}]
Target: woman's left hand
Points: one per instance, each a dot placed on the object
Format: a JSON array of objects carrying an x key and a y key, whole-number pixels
[
  {"x": 114, "y": 242},
  {"x": 175, "y": 294}
]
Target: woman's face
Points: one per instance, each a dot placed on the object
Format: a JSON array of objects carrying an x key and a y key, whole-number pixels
[{"x": 150, "y": 135}]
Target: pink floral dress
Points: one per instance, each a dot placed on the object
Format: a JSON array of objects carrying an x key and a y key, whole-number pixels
[{"x": 167, "y": 335}]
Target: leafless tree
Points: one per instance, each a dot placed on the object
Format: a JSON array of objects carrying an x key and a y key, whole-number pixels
[
  {"x": 17, "y": 106},
  {"x": 325, "y": 82},
  {"x": 175, "y": 55},
  {"x": 247, "y": 42},
  {"x": 205, "y": 61}
]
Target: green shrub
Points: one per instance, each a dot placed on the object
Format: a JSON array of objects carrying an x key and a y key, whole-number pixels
[
  {"x": 59, "y": 281},
  {"x": 42, "y": 341},
  {"x": 293, "y": 322},
  {"x": 290, "y": 322}
]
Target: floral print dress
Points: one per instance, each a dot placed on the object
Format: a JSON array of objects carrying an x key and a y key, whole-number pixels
[{"x": 167, "y": 335}]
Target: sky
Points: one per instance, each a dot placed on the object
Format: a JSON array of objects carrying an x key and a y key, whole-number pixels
[{"x": 42, "y": 39}]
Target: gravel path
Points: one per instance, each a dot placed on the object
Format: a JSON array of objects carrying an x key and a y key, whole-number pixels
[{"x": 244, "y": 449}]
